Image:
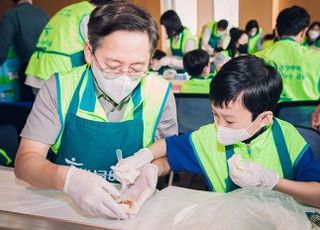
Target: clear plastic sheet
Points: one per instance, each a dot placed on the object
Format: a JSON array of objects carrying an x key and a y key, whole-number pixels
[
  {"x": 170, "y": 208},
  {"x": 245, "y": 209}
]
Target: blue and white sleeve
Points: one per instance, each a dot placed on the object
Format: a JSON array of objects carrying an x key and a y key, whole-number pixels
[
  {"x": 307, "y": 167},
  {"x": 181, "y": 156}
]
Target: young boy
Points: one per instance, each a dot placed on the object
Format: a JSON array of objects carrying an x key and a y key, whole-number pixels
[
  {"x": 246, "y": 146},
  {"x": 197, "y": 65}
]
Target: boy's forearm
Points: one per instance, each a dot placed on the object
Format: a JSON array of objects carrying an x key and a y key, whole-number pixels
[
  {"x": 307, "y": 192},
  {"x": 162, "y": 165},
  {"x": 159, "y": 149}
]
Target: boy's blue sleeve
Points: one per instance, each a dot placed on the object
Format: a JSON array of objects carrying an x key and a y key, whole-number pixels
[
  {"x": 180, "y": 154},
  {"x": 307, "y": 168}
]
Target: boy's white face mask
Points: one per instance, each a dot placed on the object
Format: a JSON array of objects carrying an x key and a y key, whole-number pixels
[{"x": 229, "y": 136}]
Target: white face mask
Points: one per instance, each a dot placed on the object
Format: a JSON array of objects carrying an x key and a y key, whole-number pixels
[
  {"x": 229, "y": 136},
  {"x": 220, "y": 33},
  {"x": 313, "y": 34},
  {"x": 117, "y": 88},
  {"x": 252, "y": 34}
]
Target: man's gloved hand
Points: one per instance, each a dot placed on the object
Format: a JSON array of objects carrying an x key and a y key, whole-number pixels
[
  {"x": 126, "y": 170},
  {"x": 93, "y": 194},
  {"x": 249, "y": 174},
  {"x": 133, "y": 197}
]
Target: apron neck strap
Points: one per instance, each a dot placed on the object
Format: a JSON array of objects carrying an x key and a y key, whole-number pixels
[
  {"x": 230, "y": 186},
  {"x": 88, "y": 100},
  {"x": 73, "y": 107},
  {"x": 283, "y": 153},
  {"x": 137, "y": 102}
]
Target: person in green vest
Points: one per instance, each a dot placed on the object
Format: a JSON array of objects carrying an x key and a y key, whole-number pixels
[
  {"x": 312, "y": 38},
  {"x": 246, "y": 146},
  {"x": 181, "y": 41},
  {"x": 212, "y": 34},
  {"x": 20, "y": 28},
  {"x": 255, "y": 36},
  {"x": 269, "y": 40},
  {"x": 158, "y": 54},
  {"x": 197, "y": 65},
  {"x": 238, "y": 46},
  {"x": 97, "y": 113},
  {"x": 60, "y": 45},
  {"x": 9, "y": 77},
  {"x": 296, "y": 63}
]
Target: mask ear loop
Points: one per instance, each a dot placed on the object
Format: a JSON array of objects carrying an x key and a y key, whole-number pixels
[
  {"x": 93, "y": 57},
  {"x": 262, "y": 124},
  {"x": 88, "y": 46}
]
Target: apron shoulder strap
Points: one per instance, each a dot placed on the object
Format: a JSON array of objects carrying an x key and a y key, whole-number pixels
[
  {"x": 282, "y": 150},
  {"x": 73, "y": 107},
  {"x": 230, "y": 186}
]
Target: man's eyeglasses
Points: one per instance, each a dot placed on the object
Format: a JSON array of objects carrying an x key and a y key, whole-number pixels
[{"x": 113, "y": 72}]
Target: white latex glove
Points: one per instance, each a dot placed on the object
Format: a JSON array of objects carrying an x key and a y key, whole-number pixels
[
  {"x": 249, "y": 174},
  {"x": 93, "y": 194},
  {"x": 133, "y": 197},
  {"x": 126, "y": 170}
]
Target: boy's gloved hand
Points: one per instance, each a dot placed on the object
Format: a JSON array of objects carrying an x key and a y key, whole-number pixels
[
  {"x": 126, "y": 170},
  {"x": 142, "y": 189},
  {"x": 93, "y": 194},
  {"x": 249, "y": 174}
]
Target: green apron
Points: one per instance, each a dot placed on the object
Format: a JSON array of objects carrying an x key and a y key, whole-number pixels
[
  {"x": 282, "y": 151},
  {"x": 179, "y": 51},
  {"x": 214, "y": 39},
  {"x": 93, "y": 145}
]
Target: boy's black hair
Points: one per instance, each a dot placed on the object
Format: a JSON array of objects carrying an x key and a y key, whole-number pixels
[
  {"x": 252, "y": 24},
  {"x": 271, "y": 36},
  {"x": 222, "y": 24},
  {"x": 259, "y": 85},
  {"x": 158, "y": 54},
  {"x": 292, "y": 21},
  {"x": 100, "y": 2},
  {"x": 195, "y": 61},
  {"x": 172, "y": 23}
]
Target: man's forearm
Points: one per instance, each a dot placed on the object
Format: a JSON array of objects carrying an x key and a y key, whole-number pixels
[{"x": 35, "y": 169}]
